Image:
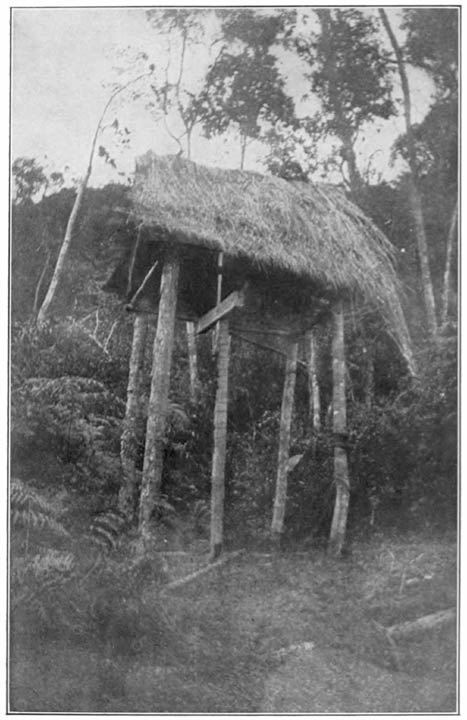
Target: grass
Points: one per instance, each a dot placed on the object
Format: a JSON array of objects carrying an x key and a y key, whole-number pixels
[{"x": 222, "y": 643}]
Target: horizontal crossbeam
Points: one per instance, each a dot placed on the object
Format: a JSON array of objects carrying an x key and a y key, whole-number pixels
[{"x": 234, "y": 300}]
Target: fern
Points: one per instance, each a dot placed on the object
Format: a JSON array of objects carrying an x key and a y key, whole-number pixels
[
  {"x": 107, "y": 528},
  {"x": 31, "y": 511},
  {"x": 200, "y": 516},
  {"x": 45, "y": 592}
]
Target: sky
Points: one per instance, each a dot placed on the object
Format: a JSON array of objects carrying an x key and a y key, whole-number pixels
[{"x": 62, "y": 60}]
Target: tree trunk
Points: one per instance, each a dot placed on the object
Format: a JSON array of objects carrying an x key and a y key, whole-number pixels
[
  {"x": 220, "y": 441},
  {"x": 277, "y": 527},
  {"x": 131, "y": 434},
  {"x": 448, "y": 265},
  {"x": 243, "y": 144},
  {"x": 345, "y": 134},
  {"x": 341, "y": 473},
  {"x": 159, "y": 396},
  {"x": 70, "y": 228},
  {"x": 40, "y": 282},
  {"x": 58, "y": 272},
  {"x": 192, "y": 361},
  {"x": 356, "y": 183},
  {"x": 414, "y": 194}
]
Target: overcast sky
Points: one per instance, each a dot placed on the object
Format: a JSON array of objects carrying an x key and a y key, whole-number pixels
[{"x": 61, "y": 59}]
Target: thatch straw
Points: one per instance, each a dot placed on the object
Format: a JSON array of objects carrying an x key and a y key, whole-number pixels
[{"x": 310, "y": 230}]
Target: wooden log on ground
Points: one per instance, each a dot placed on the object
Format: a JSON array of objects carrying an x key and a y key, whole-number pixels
[
  {"x": 277, "y": 527},
  {"x": 220, "y": 440},
  {"x": 159, "y": 396},
  {"x": 199, "y": 573},
  {"x": 426, "y": 622}
]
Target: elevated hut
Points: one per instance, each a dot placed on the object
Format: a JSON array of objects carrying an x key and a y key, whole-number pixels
[{"x": 258, "y": 257}]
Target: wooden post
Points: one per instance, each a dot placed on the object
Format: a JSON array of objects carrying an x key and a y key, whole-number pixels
[
  {"x": 192, "y": 360},
  {"x": 341, "y": 473},
  {"x": 220, "y": 267},
  {"x": 131, "y": 434},
  {"x": 277, "y": 527},
  {"x": 220, "y": 440},
  {"x": 159, "y": 396},
  {"x": 314, "y": 411}
]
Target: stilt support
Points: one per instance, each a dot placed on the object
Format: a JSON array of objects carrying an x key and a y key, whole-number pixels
[
  {"x": 277, "y": 527},
  {"x": 220, "y": 440},
  {"x": 159, "y": 396},
  {"x": 339, "y": 407}
]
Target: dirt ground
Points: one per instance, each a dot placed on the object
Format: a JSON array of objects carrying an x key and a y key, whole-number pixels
[
  {"x": 319, "y": 625},
  {"x": 293, "y": 633}
]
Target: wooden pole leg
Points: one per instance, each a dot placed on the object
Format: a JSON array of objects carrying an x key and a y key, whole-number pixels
[
  {"x": 159, "y": 396},
  {"x": 220, "y": 440},
  {"x": 341, "y": 472},
  {"x": 132, "y": 430},
  {"x": 277, "y": 527}
]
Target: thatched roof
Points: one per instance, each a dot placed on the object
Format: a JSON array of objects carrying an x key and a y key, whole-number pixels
[{"x": 311, "y": 230}]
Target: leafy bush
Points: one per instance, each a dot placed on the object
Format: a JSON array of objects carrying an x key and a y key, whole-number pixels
[
  {"x": 250, "y": 481},
  {"x": 403, "y": 451},
  {"x": 58, "y": 349},
  {"x": 76, "y": 418}
]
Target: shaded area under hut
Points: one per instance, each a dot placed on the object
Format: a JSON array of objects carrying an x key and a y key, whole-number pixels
[{"x": 257, "y": 257}]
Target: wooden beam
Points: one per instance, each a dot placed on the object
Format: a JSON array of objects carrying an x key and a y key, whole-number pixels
[{"x": 235, "y": 299}]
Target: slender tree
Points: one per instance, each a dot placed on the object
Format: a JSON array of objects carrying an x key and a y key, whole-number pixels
[
  {"x": 244, "y": 89},
  {"x": 448, "y": 266},
  {"x": 348, "y": 73},
  {"x": 415, "y": 198},
  {"x": 432, "y": 44},
  {"x": 71, "y": 225}
]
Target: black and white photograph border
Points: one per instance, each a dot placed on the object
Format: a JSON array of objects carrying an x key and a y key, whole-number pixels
[{"x": 233, "y": 336}]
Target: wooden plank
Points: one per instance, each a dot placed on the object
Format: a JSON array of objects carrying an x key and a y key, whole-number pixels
[{"x": 235, "y": 299}]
